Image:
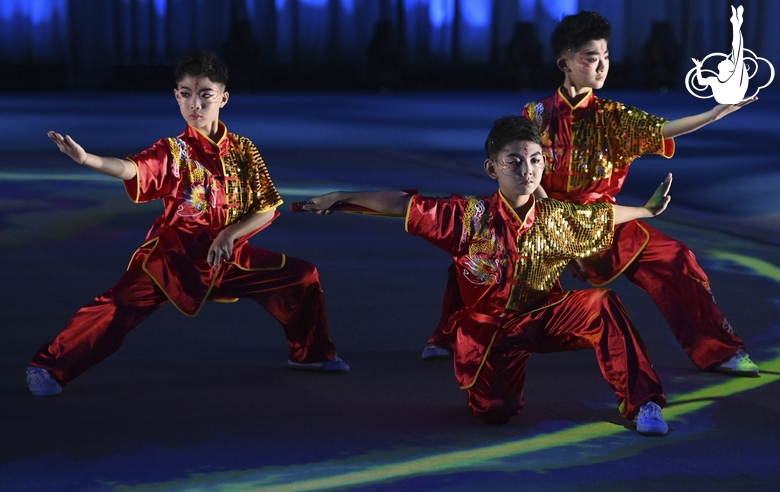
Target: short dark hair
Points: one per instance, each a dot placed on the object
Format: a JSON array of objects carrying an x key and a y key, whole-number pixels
[
  {"x": 508, "y": 129},
  {"x": 575, "y": 30},
  {"x": 202, "y": 64}
]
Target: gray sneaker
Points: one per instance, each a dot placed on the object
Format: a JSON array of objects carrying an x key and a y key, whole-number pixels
[
  {"x": 650, "y": 422},
  {"x": 432, "y": 351},
  {"x": 739, "y": 365},
  {"x": 40, "y": 382},
  {"x": 335, "y": 365}
]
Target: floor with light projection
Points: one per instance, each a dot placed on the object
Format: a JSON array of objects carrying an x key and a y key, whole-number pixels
[{"x": 208, "y": 403}]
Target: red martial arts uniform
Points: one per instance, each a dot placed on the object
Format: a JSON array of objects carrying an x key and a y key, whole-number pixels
[
  {"x": 204, "y": 186},
  {"x": 589, "y": 148},
  {"x": 507, "y": 271}
]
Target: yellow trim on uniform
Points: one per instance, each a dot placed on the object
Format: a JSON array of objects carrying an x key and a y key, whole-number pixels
[
  {"x": 270, "y": 207},
  {"x": 532, "y": 199},
  {"x": 628, "y": 264},
  {"x": 408, "y": 209},
  {"x": 205, "y": 297},
  {"x": 220, "y": 126},
  {"x": 672, "y": 143},
  {"x": 213, "y": 279},
  {"x": 147, "y": 243},
  {"x": 572, "y": 108},
  {"x": 284, "y": 262},
  {"x": 484, "y": 359},
  {"x": 137, "y": 183},
  {"x": 566, "y": 100},
  {"x": 231, "y": 300},
  {"x": 493, "y": 338},
  {"x": 566, "y": 294}
]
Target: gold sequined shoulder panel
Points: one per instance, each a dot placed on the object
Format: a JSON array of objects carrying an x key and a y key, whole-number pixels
[
  {"x": 574, "y": 230},
  {"x": 641, "y": 132},
  {"x": 254, "y": 190},
  {"x": 562, "y": 231},
  {"x": 609, "y": 137}
]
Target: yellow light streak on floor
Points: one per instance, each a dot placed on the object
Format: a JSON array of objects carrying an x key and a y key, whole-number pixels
[{"x": 679, "y": 406}]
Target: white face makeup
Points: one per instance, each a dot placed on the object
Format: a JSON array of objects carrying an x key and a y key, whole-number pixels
[
  {"x": 200, "y": 100},
  {"x": 518, "y": 169},
  {"x": 588, "y": 66}
]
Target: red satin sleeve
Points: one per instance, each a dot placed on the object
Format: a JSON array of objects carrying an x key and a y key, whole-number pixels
[
  {"x": 152, "y": 180},
  {"x": 438, "y": 221}
]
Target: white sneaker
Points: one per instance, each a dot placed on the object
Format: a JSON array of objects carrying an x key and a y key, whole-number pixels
[
  {"x": 335, "y": 365},
  {"x": 435, "y": 352},
  {"x": 650, "y": 422},
  {"x": 40, "y": 382},
  {"x": 739, "y": 365}
]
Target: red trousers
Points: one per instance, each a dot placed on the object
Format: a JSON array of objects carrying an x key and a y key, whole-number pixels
[
  {"x": 668, "y": 271},
  {"x": 585, "y": 319},
  {"x": 291, "y": 294}
]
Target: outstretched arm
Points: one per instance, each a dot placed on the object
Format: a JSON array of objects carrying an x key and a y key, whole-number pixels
[
  {"x": 222, "y": 247},
  {"x": 118, "y": 168},
  {"x": 392, "y": 203},
  {"x": 653, "y": 207},
  {"x": 689, "y": 124}
]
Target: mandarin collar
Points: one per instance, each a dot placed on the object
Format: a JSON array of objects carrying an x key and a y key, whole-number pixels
[
  {"x": 564, "y": 104},
  {"x": 521, "y": 224},
  {"x": 221, "y": 144}
]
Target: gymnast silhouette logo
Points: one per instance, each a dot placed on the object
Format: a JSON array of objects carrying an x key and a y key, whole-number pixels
[{"x": 730, "y": 84}]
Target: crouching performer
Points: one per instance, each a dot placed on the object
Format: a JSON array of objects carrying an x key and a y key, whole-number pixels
[{"x": 509, "y": 250}]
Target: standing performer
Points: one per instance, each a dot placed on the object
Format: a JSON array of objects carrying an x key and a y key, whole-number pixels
[
  {"x": 509, "y": 250},
  {"x": 590, "y": 144},
  {"x": 216, "y": 193}
]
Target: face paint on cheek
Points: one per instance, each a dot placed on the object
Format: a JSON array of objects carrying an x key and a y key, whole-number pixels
[
  {"x": 506, "y": 169},
  {"x": 583, "y": 64}
]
